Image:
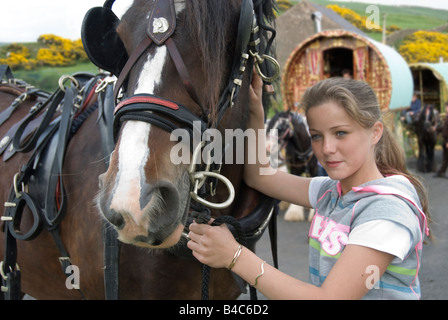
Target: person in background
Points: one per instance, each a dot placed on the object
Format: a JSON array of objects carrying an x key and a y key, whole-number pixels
[
  {"x": 441, "y": 172},
  {"x": 346, "y": 74},
  {"x": 411, "y": 114}
]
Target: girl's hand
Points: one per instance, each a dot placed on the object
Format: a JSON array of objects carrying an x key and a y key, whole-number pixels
[
  {"x": 214, "y": 246},
  {"x": 255, "y": 96}
]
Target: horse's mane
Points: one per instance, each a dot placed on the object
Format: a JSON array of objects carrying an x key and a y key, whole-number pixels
[{"x": 213, "y": 22}]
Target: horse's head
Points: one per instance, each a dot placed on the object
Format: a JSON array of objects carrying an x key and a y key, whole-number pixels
[
  {"x": 281, "y": 124},
  {"x": 290, "y": 131},
  {"x": 184, "y": 57}
]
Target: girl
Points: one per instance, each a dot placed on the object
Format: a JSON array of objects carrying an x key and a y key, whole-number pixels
[{"x": 369, "y": 225}]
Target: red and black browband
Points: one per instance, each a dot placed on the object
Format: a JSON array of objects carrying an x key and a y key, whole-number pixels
[{"x": 166, "y": 114}]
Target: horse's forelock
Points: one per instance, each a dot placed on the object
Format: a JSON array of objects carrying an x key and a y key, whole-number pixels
[{"x": 212, "y": 22}]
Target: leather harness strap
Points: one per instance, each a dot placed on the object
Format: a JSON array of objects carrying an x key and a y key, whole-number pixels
[
  {"x": 53, "y": 131},
  {"x": 136, "y": 54},
  {"x": 183, "y": 72}
]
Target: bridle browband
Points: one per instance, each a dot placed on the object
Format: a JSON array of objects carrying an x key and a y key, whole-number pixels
[{"x": 142, "y": 107}]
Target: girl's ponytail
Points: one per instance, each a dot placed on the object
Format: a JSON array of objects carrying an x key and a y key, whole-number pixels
[{"x": 391, "y": 160}]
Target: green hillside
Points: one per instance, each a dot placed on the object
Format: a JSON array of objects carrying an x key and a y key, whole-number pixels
[
  {"x": 405, "y": 17},
  {"x": 439, "y": 16}
]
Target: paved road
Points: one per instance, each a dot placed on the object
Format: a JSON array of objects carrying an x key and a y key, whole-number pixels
[{"x": 293, "y": 247}]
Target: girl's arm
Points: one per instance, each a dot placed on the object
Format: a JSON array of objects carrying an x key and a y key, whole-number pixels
[
  {"x": 260, "y": 175},
  {"x": 350, "y": 278}
]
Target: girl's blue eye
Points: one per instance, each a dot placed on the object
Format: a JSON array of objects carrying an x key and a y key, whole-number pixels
[
  {"x": 315, "y": 136},
  {"x": 341, "y": 133}
]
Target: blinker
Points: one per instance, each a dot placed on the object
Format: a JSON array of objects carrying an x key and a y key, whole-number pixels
[{"x": 101, "y": 41}]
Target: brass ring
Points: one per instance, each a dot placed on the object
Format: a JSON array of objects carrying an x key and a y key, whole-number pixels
[
  {"x": 62, "y": 79},
  {"x": 265, "y": 78},
  {"x": 213, "y": 205}
]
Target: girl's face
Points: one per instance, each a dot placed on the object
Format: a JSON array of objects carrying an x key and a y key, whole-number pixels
[{"x": 342, "y": 146}]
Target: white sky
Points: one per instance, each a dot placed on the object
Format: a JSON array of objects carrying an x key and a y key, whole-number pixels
[{"x": 26, "y": 20}]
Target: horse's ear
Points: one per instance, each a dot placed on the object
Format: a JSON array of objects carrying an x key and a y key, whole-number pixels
[{"x": 101, "y": 40}]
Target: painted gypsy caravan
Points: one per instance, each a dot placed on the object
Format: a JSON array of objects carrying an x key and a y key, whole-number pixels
[
  {"x": 330, "y": 53},
  {"x": 431, "y": 83}
]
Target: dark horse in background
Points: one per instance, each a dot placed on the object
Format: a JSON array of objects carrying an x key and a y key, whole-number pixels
[
  {"x": 425, "y": 127},
  {"x": 143, "y": 195},
  {"x": 295, "y": 152}
]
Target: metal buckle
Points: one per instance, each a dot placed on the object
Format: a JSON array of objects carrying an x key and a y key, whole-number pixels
[
  {"x": 63, "y": 78},
  {"x": 2, "y": 273},
  {"x": 198, "y": 178},
  {"x": 103, "y": 83},
  {"x": 259, "y": 60}
]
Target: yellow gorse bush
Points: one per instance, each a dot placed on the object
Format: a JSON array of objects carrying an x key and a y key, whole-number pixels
[
  {"x": 59, "y": 51},
  {"x": 284, "y": 4},
  {"x": 18, "y": 57},
  {"x": 354, "y": 18},
  {"x": 55, "y": 51},
  {"x": 424, "y": 46},
  {"x": 18, "y": 61}
]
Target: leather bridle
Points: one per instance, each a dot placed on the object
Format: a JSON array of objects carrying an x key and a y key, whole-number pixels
[{"x": 169, "y": 115}]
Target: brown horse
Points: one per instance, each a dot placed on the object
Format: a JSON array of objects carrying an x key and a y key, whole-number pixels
[{"x": 143, "y": 194}]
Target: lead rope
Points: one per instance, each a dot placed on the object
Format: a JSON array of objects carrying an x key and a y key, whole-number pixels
[{"x": 204, "y": 217}]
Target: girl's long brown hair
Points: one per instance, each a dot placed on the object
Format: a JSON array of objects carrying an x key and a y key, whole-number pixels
[{"x": 360, "y": 102}]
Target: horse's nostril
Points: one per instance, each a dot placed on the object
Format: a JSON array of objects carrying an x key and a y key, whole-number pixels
[{"x": 116, "y": 219}]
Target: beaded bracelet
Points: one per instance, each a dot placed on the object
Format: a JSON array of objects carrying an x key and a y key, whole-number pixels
[
  {"x": 235, "y": 256},
  {"x": 262, "y": 272}
]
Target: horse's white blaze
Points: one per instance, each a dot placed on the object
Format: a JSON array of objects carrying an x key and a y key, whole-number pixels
[
  {"x": 151, "y": 74},
  {"x": 132, "y": 156},
  {"x": 133, "y": 152}
]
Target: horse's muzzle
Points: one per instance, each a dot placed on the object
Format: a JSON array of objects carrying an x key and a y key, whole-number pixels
[{"x": 151, "y": 219}]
